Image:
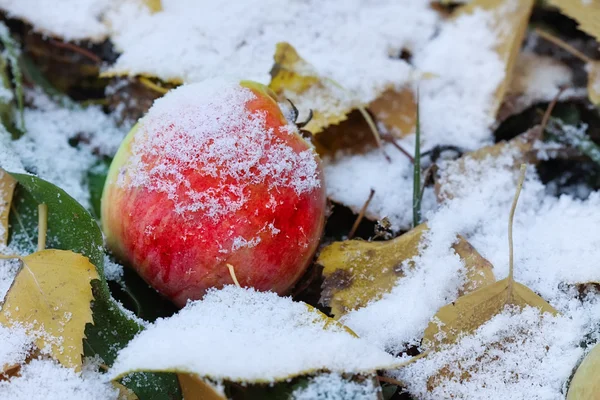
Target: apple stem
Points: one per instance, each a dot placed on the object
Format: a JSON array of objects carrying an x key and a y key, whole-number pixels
[
  {"x": 232, "y": 273},
  {"x": 42, "y": 226}
]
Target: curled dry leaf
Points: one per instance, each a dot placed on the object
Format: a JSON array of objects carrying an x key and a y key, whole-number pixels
[
  {"x": 396, "y": 110},
  {"x": 154, "y": 5},
  {"x": 295, "y": 79},
  {"x": 358, "y": 272},
  {"x": 7, "y": 188},
  {"x": 585, "y": 384},
  {"x": 509, "y": 24},
  {"x": 50, "y": 297}
]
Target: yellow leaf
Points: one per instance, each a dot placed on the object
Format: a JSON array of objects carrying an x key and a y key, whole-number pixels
[
  {"x": 7, "y": 188},
  {"x": 193, "y": 387},
  {"x": 124, "y": 392},
  {"x": 586, "y": 13},
  {"x": 585, "y": 384},
  {"x": 295, "y": 79},
  {"x": 357, "y": 272},
  {"x": 397, "y": 110},
  {"x": 520, "y": 148},
  {"x": 154, "y": 5},
  {"x": 51, "y": 298},
  {"x": 594, "y": 82},
  {"x": 508, "y": 24},
  {"x": 472, "y": 310}
]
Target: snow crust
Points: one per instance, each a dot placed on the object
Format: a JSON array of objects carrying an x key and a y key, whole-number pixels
[
  {"x": 208, "y": 127},
  {"x": 244, "y": 335}
]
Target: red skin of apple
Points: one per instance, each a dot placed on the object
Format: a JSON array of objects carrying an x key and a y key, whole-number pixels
[{"x": 183, "y": 257}]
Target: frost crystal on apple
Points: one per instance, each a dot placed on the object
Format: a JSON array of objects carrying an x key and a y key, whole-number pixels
[{"x": 207, "y": 128}]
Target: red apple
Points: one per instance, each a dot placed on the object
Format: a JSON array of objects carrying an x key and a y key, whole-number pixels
[{"x": 215, "y": 174}]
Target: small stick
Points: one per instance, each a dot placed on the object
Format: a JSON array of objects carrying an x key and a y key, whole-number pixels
[
  {"x": 361, "y": 214},
  {"x": 563, "y": 45},
  {"x": 392, "y": 140},
  {"x": 549, "y": 110},
  {"x": 371, "y": 124},
  {"x": 511, "y": 217},
  {"x": 70, "y": 46},
  {"x": 390, "y": 380},
  {"x": 42, "y": 226},
  {"x": 232, "y": 273}
]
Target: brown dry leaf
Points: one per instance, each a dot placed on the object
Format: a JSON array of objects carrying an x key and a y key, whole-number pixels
[
  {"x": 509, "y": 24},
  {"x": 7, "y": 188},
  {"x": 585, "y": 384},
  {"x": 586, "y": 13},
  {"x": 357, "y": 272},
  {"x": 594, "y": 82},
  {"x": 295, "y": 79},
  {"x": 193, "y": 387},
  {"x": 396, "y": 110},
  {"x": 51, "y": 298}
]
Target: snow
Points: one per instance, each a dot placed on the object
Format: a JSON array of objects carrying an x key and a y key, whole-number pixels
[
  {"x": 68, "y": 19},
  {"x": 350, "y": 178},
  {"x": 45, "y": 379},
  {"x": 243, "y": 335},
  {"x": 50, "y": 127},
  {"x": 14, "y": 346},
  {"x": 553, "y": 252},
  {"x": 208, "y": 127},
  {"x": 330, "y": 35},
  {"x": 516, "y": 355},
  {"x": 335, "y": 387}
]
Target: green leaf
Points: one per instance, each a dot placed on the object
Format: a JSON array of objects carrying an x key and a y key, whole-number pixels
[
  {"x": 71, "y": 227},
  {"x": 96, "y": 178}
]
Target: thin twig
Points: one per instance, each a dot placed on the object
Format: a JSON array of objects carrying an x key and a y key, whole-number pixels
[
  {"x": 361, "y": 214},
  {"x": 390, "y": 380},
  {"x": 392, "y": 140},
  {"x": 549, "y": 110},
  {"x": 371, "y": 124},
  {"x": 233, "y": 277},
  {"x": 42, "y": 226},
  {"x": 511, "y": 217},
  {"x": 563, "y": 45},
  {"x": 151, "y": 85},
  {"x": 70, "y": 46}
]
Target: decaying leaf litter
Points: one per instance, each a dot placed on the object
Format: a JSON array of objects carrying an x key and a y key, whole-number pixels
[{"x": 484, "y": 72}]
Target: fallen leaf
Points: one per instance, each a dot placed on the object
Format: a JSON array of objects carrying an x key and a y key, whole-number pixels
[
  {"x": 50, "y": 297},
  {"x": 124, "y": 392},
  {"x": 396, "y": 110},
  {"x": 508, "y": 24},
  {"x": 586, "y": 13},
  {"x": 585, "y": 384},
  {"x": 256, "y": 339},
  {"x": 450, "y": 182},
  {"x": 193, "y": 387},
  {"x": 295, "y": 79},
  {"x": 7, "y": 188},
  {"x": 357, "y": 272},
  {"x": 154, "y": 5}
]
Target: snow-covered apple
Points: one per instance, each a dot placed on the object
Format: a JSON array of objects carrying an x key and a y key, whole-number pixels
[{"x": 215, "y": 174}]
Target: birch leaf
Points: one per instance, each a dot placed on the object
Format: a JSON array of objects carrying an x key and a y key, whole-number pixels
[
  {"x": 585, "y": 384},
  {"x": 357, "y": 272},
  {"x": 594, "y": 82},
  {"x": 7, "y": 188},
  {"x": 193, "y": 387},
  {"x": 295, "y": 79},
  {"x": 51, "y": 298},
  {"x": 586, "y": 13}
]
